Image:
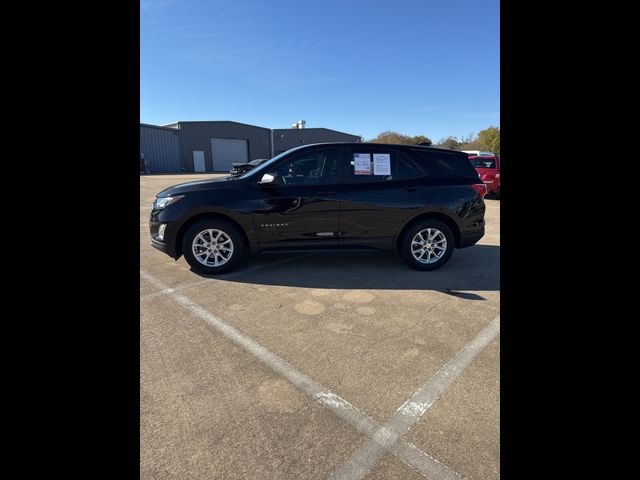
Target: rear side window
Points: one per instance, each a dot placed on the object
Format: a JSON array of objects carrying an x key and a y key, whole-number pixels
[
  {"x": 440, "y": 164},
  {"x": 381, "y": 165}
]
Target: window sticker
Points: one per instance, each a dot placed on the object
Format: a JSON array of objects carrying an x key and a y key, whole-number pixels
[
  {"x": 381, "y": 164},
  {"x": 362, "y": 164}
]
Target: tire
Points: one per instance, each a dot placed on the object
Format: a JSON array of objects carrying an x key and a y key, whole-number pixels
[
  {"x": 231, "y": 247},
  {"x": 439, "y": 232}
]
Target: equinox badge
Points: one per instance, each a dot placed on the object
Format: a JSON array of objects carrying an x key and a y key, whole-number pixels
[{"x": 263, "y": 225}]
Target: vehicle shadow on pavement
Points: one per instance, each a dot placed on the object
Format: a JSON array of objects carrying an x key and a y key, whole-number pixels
[{"x": 475, "y": 268}]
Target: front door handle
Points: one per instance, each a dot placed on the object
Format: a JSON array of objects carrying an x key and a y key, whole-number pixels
[{"x": 326, "y": 193}]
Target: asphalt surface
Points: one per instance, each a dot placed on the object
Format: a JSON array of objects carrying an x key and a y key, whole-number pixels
[{"x": 305, "y": 366}]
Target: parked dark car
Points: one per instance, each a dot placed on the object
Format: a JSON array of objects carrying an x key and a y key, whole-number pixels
[
  {"x": 240, "y": 168},
  {"x": 419, "y": 201}
]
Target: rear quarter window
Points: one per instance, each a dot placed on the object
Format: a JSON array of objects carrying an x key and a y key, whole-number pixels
[{"x": 446, "y": 164}]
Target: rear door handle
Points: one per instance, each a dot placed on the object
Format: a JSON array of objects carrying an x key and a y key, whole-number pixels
[{"x": 326, "y": 193}]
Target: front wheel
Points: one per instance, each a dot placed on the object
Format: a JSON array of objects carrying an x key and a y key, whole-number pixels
[
  {"x": 428, "y": 245},
  {"x": 213, "y": 246}
]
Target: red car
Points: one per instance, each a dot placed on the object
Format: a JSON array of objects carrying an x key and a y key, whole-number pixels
[{"x": 488, "y": 167}]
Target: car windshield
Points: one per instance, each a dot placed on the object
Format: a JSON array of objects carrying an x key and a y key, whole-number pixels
[
  {"x": 483, "y": 162},
  {"x": 262, "y": 168}
]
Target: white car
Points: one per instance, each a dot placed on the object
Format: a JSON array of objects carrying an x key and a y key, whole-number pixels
[{"x": 479, "y": 153}]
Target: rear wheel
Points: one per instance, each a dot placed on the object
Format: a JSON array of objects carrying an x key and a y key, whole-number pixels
[
  {"x": 427, "y": 245},
  {"x": 213, "y": 246}
]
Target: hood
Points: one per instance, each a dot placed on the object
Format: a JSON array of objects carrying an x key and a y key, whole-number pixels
[{"x": 181, "y": 188}]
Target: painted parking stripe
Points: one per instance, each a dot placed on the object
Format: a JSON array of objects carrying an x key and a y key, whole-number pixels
[
  {"x": 363, "y": 460},
  {"x": 407, "y": 452},
  {"x": 227, "y": 276}
]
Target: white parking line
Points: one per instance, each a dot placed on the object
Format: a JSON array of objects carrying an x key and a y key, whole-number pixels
[
  {"x": 404, "y": 450},
  {"x": 227, "y": 276},
  {"x": 362, "y": 461}
]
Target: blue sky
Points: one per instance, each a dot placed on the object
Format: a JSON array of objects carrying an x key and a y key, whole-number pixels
[{"x": 417, "y": 67}]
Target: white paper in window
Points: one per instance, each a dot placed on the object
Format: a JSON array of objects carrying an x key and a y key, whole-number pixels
[
  {"x": 362, "y": 164},
  {"x": 381, "y": 164}
]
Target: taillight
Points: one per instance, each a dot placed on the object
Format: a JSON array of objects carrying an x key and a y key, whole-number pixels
[{"x": 480, "y": 189}]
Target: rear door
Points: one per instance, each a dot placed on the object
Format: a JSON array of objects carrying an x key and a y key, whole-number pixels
[
  {"x": 381, "y": 188},
  {"x": 300, "y": 209}
]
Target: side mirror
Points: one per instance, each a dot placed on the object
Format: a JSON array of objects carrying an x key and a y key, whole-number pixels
[{"x": 267, "y": 178}]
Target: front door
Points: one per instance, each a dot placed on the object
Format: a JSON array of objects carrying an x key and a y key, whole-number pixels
[{"x": 299, "y": 209}]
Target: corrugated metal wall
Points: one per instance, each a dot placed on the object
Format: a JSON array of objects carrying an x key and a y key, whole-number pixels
[
  {"x": 286, "y": 138},
  {"x": 170, "y": 149},
  {"x": 197, "y": 136},
  {"x": 161, "y": 149}
]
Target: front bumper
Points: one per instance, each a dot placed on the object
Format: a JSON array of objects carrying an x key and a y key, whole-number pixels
[
  {"x": 163, "y": 247},
  {"x": 167, "y": 245}
]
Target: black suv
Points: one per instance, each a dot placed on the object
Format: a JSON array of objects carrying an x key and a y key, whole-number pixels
[{"x": 421, "y": 201}]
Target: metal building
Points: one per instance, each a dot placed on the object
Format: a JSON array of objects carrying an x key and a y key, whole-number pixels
[
  {"x": 212, "y": 146},
  {"x": 159, "y": 149},
  {"x": 286, "y": 138}
]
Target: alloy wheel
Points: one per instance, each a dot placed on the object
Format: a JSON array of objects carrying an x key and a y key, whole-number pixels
[
  {"x": 428, "y": 245},
  {"x": 212, "y": 247}
]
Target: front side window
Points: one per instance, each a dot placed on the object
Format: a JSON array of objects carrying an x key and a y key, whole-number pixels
[
  {"x": 378, "y": 165},
  {"x": 309, "y": 168}
]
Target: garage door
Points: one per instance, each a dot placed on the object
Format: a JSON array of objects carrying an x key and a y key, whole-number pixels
[{"x": 226, "y": 151}]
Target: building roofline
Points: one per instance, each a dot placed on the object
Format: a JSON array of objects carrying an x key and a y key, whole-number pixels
[
  {"x": 319, "y": 128},
  {"x": 216, "y": 121},
  {"x": 161, "y": 127},
  {"x": 166, "y": 125}
]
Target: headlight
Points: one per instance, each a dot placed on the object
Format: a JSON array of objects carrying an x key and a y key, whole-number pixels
[{"x": 163, "y": 202}]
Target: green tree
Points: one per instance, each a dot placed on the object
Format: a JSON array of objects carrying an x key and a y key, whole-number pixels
[
  {"x": 490, "y": 139},
  {"x": 389, "y": 137},
  {"x": 395, "y": 137},
  {"x": 418, "y": 139},
  {"x": 450, "y": 142},
  {"x": 469, "y": 139}
]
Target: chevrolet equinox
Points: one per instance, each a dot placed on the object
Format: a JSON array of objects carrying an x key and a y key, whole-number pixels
[{"x": 419, "y": 201}]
